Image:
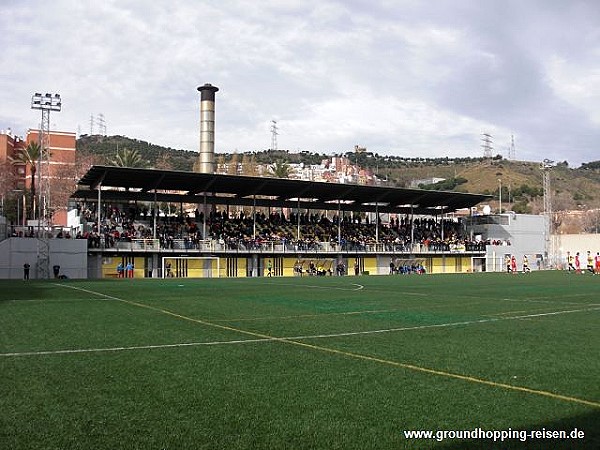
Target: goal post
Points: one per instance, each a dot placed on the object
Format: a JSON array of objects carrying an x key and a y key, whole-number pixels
[{"x": 190, "y": 267}]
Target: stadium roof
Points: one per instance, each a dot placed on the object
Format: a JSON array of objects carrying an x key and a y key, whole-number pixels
[{"x": 148, "y": 185}]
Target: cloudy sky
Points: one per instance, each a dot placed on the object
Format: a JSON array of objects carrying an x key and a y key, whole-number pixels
[{"x": 400, "y": 77}]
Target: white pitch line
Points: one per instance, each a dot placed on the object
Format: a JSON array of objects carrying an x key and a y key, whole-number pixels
[
  {"x": 548, "y": 302},
  {"x": 441, "y": 325},
  {"x": 53, "y": 301},
  {"x": 358, "y": 287},
  {"x": 307, "y": 316},
  {"x": 136, "y": 347},
  {"x": 290, "y": 338},
  {"x": 520, "y": 311},
  {"x": 91, "y": 292},
  {"x": 346, "y": 313}
]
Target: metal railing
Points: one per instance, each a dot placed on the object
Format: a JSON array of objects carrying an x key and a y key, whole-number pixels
[
  {"x": 275, "y": 247},
  {"x": 42, "y": 232}
]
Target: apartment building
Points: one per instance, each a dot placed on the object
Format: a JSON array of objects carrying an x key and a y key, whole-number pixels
[{"x": 57, "y": 170}]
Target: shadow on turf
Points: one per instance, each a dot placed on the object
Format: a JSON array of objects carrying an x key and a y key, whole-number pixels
[
  {"x": 23, "y": 290},
  {"x": 589, "y": 423}
]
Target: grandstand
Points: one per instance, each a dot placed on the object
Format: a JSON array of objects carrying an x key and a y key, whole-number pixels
[
  {"x": 142, "y": 216},
  {"x": 148, "y": 214}
]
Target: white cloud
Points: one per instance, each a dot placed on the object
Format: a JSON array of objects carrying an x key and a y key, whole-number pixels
[
  {"x": 577, "y": 83},
  {"x": 394, "y": 76}
]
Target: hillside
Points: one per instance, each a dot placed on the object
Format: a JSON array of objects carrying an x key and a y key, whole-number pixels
[
  {"x": 104, "y": 148},
  {"x": 572, "y": 189}
]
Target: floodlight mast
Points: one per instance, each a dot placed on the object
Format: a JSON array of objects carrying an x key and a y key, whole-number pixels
[
  {"x": 46, "y": 103},
  {"x": 546, "y": 166}
]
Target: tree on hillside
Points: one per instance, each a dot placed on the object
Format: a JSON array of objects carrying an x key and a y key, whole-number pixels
[
  {"x": 445, "y": 185},
  {"x": 128, "y": 158},
  {"x": 232, "y": 168},
  {"x": 249, "y": 167},
  {"x": 163, "y": 162},
  {"x": 280, "y": 169},
  {"x": 29, "y": 156},
  {"x": 220, "y": 164},
  {"x": 593, "y": 165}
]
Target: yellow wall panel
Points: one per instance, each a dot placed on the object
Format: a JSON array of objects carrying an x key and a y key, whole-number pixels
[{"x": 370, "y": 265}]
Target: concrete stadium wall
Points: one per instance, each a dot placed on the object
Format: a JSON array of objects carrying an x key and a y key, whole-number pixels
[
  {"x": 526, "y": 234},
  {"x": 574, "y": 243},
  {"x": 69, "y": 254}
]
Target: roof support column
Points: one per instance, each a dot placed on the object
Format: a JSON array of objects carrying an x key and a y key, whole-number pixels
[
  {"x": 254, "y": 216},
  {"x": 339, "y": 239},
  {"x": 204, "y": 216},
  {"x": 298, "y": 221},
  {"x": 154, "y": 208},
  {"x": 99, "y": 205},
  {"x": 412, "y": 228},
  {"x": 376, "y": 223}
]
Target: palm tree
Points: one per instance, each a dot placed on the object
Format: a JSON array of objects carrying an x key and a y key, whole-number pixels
[
  {"x": 129, "y": 158},
  {"x": 280, "y": 169},
  {"x": 29, "y": 157}
]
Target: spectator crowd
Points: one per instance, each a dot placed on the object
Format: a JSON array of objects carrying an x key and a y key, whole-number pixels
[{"x": 303, "y": 232}]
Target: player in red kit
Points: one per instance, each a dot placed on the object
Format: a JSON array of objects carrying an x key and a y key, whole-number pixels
[{"x": 577, "y": 263}]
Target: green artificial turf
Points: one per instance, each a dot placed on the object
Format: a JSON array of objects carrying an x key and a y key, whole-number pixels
[{"x": 299, "y": 363}]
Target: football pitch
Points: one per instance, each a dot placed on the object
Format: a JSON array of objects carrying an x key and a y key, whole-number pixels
[{"x": 301, "y": 363}]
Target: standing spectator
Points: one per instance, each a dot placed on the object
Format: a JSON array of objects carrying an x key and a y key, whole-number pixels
[
  {"x": 26, "y": 268},
  {"x": 129, "y": 270}
]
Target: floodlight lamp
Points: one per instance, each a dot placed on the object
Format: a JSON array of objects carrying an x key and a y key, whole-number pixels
[{"x": 547, "y": 164}]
